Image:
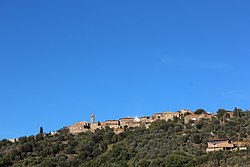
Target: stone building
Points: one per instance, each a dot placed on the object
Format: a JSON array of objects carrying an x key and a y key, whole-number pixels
[
  {"x": 197, "y": 117},
  {"x": 165, "y": 116},
  {"x": 97, "y": 125},
  {"x": 79, "y": 127},
  {"x": 185, "y": 112},
  {"x": 219, "y": 144},
  {"x": 92, "y": 120},
  {"x": 118, "y": 130},
  {"x": 146, "y": 119},
  {"x": 12, "y": 140},
  {"x": 128, "y": 121},
  {"x": 113, "y": 124}
]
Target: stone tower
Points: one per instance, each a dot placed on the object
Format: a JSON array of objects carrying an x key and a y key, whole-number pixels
[{"x": 92, "y": 118}]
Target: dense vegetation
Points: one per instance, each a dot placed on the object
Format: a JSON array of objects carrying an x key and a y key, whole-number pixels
[{"x": 165, "y": 143}]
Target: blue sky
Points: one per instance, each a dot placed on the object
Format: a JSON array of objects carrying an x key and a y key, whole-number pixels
[{"x": 60, "y": 61}]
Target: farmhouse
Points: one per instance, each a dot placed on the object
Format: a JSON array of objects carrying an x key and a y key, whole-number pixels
[{"x": 219, "y": 144}]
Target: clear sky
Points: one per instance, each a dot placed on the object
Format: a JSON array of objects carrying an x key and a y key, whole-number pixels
[{"x": 61, "y": 60}]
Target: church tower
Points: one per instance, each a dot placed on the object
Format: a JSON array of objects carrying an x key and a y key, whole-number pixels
[{"x": 92, "y": 118}]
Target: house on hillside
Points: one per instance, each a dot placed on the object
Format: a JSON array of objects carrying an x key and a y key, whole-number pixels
[
  {"x": 79, "y": 127},
  {"x": 230, "y": 114},
  {"x": 197, "y": 117},
  {"x": 97, "y": 125},
  {"x": 118, "y": 130},
  {"x": 241, "y": 145},
  {"x": 219, "y": 144},
  {"x": 127, "y": 121},
  {"x": 113, "y": 124},
  {"x": 227, "y": 116},
  {"x": 146, "y": 119},
  {"x": 185, "y": 112},
  {"x": 13, "y": 140},
  {"x": 130, "y": 122},
  {"x": 165, "y": 116}
]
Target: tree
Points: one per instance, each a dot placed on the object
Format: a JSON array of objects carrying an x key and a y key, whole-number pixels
[
  {"x": 248, "y": 130},
  {"x": 143, "y": 163},
  {"x": 41, "y": 129},
  {"x": 220, "y": 113},
  {"x": 4, "y": 142},
  {"x": 200, "y": 111},
  {"x": 196, "y": 138},
  {"x": 39, "y": 137},
  {"x": 237, "y": 112},
  {"x": 22, "y": 140},
  {"x": 200, "y": 124}
]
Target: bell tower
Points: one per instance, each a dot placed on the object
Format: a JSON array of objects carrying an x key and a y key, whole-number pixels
[{"x": 92, "y": 118}]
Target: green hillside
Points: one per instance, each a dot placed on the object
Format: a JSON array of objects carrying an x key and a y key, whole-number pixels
[{"x": 165, "y": 143}]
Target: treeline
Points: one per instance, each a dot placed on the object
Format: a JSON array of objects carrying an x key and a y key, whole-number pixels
[{"x": 165, "y": 143}]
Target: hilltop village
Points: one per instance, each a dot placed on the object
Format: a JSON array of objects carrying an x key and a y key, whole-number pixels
[
  {"x": 119, "y": 125},
  {"x": 184, "y": 138}
]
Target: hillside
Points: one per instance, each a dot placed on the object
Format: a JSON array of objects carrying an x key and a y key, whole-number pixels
[{"x": 164, "y": 143}]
